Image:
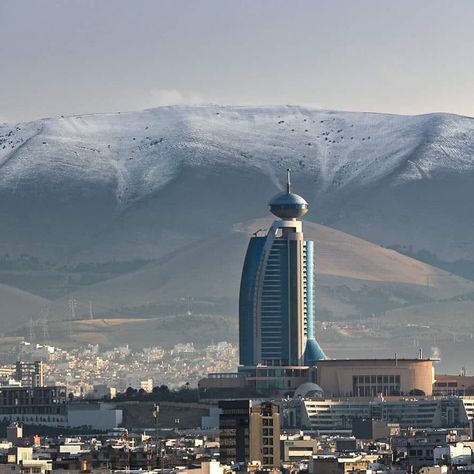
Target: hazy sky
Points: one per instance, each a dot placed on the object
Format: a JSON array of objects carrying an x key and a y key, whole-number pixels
[{"x": 81, "y": 56}]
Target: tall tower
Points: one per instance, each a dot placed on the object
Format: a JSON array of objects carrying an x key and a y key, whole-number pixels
[{"x": 276, "y": 304}]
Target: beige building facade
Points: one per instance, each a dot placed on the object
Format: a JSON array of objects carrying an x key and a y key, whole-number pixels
[
  {"x": 250, "y": 432},
  {"x": 454, "y": 384},
  {"x": 372, "y": 377}
]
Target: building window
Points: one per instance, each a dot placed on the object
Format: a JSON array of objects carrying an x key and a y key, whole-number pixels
[{"x": 372, "y": 385}]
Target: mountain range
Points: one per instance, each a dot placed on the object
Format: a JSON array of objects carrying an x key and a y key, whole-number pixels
[{"x": 170, "y": 196}]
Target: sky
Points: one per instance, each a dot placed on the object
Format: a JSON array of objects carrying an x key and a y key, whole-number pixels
[{"x": 64, "y": 57}]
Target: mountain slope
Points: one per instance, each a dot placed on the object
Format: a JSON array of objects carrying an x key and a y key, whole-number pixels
[
  {"x": 141, "y": 184},
  {"x": 387, "y": 302},
  {"x": 17, "y": 306},
  {"x": 346, "y": 267}
]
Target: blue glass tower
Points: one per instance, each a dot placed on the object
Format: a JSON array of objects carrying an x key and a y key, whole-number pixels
[{"x": 276, "y": 304}]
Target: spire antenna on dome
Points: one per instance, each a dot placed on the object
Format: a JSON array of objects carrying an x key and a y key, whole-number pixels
[{"x": 286, "y": 204}]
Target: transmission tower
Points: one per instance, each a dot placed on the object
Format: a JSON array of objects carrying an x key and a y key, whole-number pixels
[
  {"x": 31, "y": 330},
  {"x": 72, "y": 314},
  {"x": 44, "y": 316}
]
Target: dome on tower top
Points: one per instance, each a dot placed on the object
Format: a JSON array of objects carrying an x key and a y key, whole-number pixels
[{"x": 288, "y": 205}]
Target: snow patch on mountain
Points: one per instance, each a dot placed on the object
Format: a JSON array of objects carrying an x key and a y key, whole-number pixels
[{"x": 138, "y": 153}]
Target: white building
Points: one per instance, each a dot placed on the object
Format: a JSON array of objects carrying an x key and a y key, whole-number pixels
[
  {"x": 207, "y": 467},
  {"x": 335, "y": 414},
  {"x": 433, "y": 470},
  {"x": 147, "y": 385},
  {"x": 138, "y": 383},
  {"x": 97, "y": 416},
  {"x": 211, "y": 421},
  {"x": 457, "y": 454}
]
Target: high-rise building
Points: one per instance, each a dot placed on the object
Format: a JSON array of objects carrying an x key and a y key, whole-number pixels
[
  {"x": 250, "y": 432},
  {"x": 34, "y": 405},
  {"x": 30, "y": 374},
  {"x": 276, "y": 305},
  {"x": 14, "y": 432}
]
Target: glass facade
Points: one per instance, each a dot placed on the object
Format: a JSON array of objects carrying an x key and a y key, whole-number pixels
[
  {"x": 276, "y": 306},
  {"x": 274, "y": 320},
  {"x": 248, "y": 286}
]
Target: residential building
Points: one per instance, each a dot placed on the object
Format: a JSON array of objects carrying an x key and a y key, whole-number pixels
[
  {"x": 370, "y": 429},
  {"x": 454, "y": 384},
  {"x": 338, "y": 464},
  {"x": 14, "y": 432},
  {"x": 456, "y": 454},
  {"x": 34, "y": 405},
  {"x": 250, "y": 432},
  {"x": 297, "y": 448},
  {"x": 30, "y": 374}
]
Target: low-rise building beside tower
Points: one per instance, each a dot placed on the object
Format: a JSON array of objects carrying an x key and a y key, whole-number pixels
[{"x": 363, "y": 378}]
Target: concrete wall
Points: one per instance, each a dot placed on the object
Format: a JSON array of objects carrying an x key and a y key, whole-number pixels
[
  {"x": 97, "y": 418},
  {"x": 140, "y": 414}
]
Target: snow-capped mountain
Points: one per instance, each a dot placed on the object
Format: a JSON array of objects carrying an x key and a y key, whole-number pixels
[
  {"x": 144, "y": 183},
  {"x": 183, "y": 188}
]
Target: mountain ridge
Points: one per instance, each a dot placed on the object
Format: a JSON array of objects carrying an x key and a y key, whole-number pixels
[{"x": 91, "y": 174}]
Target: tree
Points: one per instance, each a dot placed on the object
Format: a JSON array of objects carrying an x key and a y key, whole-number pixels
[
  {"x": 130, "y": 392},
  {"x": 161, "y": 393},
  {"x": 416, "y": 392}
]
